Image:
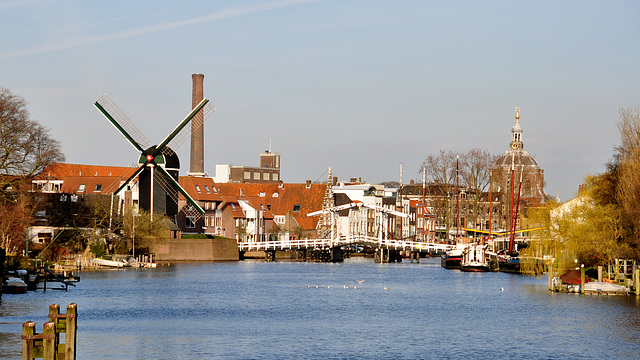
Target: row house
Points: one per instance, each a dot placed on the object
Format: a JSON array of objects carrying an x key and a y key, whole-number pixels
[
  {"x": 420, "y": 224},
  {"x": 252, "y": 212}
]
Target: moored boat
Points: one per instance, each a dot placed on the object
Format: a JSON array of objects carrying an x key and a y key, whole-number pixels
[
  {"x": 109, "y": 263},
  {"x": 475, "y": 260},
  {"x": 452, "y": 259},
  {"x": 14, "y": 285}
]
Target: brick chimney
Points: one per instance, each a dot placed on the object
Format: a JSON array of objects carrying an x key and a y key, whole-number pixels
[{"x": 196, "y": 167}]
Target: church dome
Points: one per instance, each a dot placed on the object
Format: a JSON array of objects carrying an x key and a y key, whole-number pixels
[{"x": 518, "y": 158}]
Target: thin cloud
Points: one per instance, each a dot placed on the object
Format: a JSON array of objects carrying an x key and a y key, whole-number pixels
[{"x": 224, "y": 14}]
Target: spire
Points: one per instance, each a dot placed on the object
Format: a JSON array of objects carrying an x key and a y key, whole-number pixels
[{"x": 516, "y": 133}]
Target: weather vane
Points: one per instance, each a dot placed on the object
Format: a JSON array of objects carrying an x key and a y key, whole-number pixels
[{"x": 517, "y": 112}]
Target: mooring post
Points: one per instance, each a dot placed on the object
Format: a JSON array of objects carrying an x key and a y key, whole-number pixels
[
  {"x": 72, "y": 330},
  {"x": 28, "y": 330},
  {"x": 637, "y": 282},
  {"x": 581, "y": 278},
  {"x": 550, "y": 271},
  {"x": 49, "y": 341}
]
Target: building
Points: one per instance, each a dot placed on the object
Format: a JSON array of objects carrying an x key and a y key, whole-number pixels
[
  {"x": 267, "y": 172},
  {"x": 517, "y": 181}
]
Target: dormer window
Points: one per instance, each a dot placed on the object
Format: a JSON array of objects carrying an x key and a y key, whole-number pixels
[
  {"x": 198, "y": 189},
  {"x": 296, "y": 207},
  {"x": 98, "y": 187},
  {"x": 207, "y": 189},
  {"x": 82, "y": 188}
]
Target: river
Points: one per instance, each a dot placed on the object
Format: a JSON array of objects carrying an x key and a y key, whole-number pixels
[{"x": 292, "y": 310}]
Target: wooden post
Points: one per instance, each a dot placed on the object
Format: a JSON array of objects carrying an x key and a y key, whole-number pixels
[
  {"x": 72, "y": 330},
  {"x": 49, "y": 341},
  {"x": 581, "y": 278},
  {"x": 550, "y": 270},
  {"x": 28, "y": 330},
  {"x": 637, "y": 282}
]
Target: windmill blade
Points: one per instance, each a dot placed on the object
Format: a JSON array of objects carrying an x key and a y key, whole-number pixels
[
  {"x": 185, "y": 134},
  {"x": 180, "y": 189},
  {"x": 122, "y": 123},
  {"x": 116, "y": 183},
  {"x": 182, "y": 124},
  {"x": 135, "y": 174}
]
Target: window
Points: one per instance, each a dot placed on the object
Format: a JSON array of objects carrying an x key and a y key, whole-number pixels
[
  {"x": 198, "y": 189},
  {"x": 233, "y": 206},
  {"x": 262, "y": 194},
  {"x": 247, "y": 175},
  {"x": 214, "y": 189},
  {"x": 207, "y": 188},
  {"x": 256, "y": 176},
  {"x": 189, "y": 223},
  {"x": 265, "y": 176},
  {"x": 81, "y": 188},
  {"x": 98, "y": 187},
  {"x": 296, "y": 207},
  {"x": 275, "y": 195},
  {"x": 275, "y": 177}
]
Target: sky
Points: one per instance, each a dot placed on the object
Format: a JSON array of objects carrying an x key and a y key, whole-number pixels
[{"x": 360, "y": 86}]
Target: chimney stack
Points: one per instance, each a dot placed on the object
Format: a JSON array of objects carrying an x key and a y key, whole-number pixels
[{"x": 197, "y": 128}]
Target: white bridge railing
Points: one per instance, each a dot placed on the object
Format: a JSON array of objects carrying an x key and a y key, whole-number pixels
[{"x": 342, "y": 241}]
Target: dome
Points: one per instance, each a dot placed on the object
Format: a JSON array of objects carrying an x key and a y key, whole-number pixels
[{"x": 518, "y": 158}]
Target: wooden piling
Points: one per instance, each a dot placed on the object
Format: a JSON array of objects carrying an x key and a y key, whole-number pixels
[
  {"x": 49, "y": 341},
  {"x": 637, "y": 282},
  {"x": 582, "y": 279},
  {"x": 28, "y": 331},
  {"x": 47, "y": 345}
]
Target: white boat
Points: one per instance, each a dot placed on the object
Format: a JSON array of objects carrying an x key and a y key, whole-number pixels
[
  {"x": 14, "y": 285},
  {"x": 475, "y": 259},
  {"x": 109, "y": 263}
]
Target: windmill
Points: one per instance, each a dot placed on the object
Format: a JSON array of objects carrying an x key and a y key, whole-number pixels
[{"x": 159, "y": 165}]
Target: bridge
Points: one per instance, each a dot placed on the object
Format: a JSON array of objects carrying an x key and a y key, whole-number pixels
[{"x": 333, "y": 249}]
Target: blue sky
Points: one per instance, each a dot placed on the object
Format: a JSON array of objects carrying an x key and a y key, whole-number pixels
[{"x": 360, "y": 86}]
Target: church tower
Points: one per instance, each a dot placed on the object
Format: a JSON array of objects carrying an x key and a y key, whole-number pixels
[{"x": 516, "y": 172}]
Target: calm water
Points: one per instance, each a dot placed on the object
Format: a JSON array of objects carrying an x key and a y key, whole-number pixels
[{"x": 259, "y": 310}]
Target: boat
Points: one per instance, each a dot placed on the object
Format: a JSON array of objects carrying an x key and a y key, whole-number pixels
[
  {"x": 452, "y": 259},
  {"x": 509, "y": 262},
  {"x": 475, "y": 260},
  {"x": 14, "y": 285},
  {"x": 109, "y": 263}
]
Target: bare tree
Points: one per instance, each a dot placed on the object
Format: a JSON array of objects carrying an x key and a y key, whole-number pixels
[
  {"x": 475, "y": 171},
  {"x": 25, "y": 146},
  {"x": 628, "y": 170},
  {"x": 25, "y": 150},
  {"x": 440, "y": 171}
]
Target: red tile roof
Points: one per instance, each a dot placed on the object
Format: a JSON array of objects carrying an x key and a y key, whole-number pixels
[
  {"x": 204, "y": 184},
  {"x": 282, "y": 198},
  {"x": 59, "y": 170}
]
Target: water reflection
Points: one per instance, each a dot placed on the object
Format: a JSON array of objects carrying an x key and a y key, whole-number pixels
[{"x": 254, "y": 309}]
